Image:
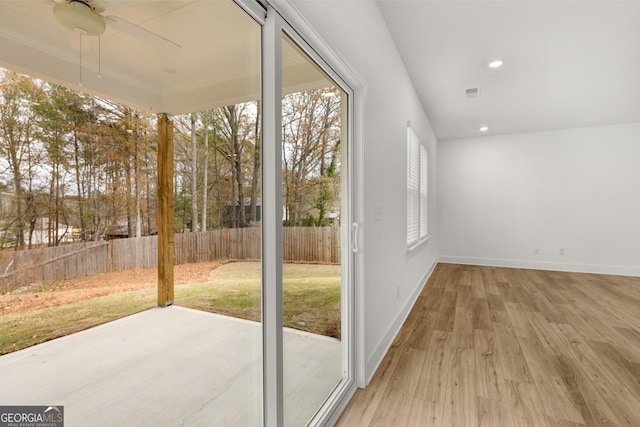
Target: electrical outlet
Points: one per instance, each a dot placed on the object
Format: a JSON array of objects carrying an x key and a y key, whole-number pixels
[
  {"x": 398, "y": 291},
  {"x": 536, "y": 251},
  {"x": 561, "y": 252}
]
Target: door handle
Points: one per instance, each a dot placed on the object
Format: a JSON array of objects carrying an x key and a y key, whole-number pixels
[{"x": 354, "y": 246}]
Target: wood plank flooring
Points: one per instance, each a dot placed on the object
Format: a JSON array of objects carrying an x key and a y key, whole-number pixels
[{"x": 487, "y": 346}]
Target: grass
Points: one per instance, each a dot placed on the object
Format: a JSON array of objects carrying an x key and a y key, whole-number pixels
[
  {"x": 311, "y": 302},
  {"x": 311, "y": 295},
  {"x": 22, "y": 330}
]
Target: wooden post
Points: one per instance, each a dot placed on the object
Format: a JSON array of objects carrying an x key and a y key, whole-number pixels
[{"x": 165, "y": 211}]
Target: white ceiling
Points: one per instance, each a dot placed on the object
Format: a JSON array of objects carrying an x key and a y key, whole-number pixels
[{"x": 567, "y": 63}]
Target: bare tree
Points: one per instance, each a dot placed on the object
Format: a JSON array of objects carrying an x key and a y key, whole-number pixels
[
  {"x": 16, "y": 130},
  {"x": 205, "y": 169},
  {"x": 194, "y": 174},
  {"x": 311, "y": 131},
  {"x": 257, "y": 161},
  {"x": 232, "y": 127}
]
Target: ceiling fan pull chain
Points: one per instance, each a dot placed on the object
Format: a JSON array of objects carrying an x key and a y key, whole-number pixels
[
  {"x": 80, "y": 73},
  {"x": 99, "y": 57}
]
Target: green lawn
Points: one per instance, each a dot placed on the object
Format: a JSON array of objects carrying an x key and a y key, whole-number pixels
[
  {"x": 311, "y": 295},
  {"x": 21, "y": 330},
  {"x": 311, "y": 303}
]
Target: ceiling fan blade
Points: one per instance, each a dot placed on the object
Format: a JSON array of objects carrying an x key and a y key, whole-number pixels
[
  {"x": 98, "y": 6},
  {"x": 140, "y": 33}
]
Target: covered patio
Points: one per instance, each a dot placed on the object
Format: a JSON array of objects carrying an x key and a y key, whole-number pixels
[{"x": 168, "y": 367}]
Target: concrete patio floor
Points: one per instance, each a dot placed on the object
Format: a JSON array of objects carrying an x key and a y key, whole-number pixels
[{"x": 169, "y": 367}]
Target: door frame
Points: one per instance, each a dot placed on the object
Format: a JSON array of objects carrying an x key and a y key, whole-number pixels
[{"x": 274, "y": 25}]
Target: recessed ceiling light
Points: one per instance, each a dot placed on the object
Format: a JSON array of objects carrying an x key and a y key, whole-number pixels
[
  {"x": 496, "y": 64},
  {"x": 484, "y": 128}
]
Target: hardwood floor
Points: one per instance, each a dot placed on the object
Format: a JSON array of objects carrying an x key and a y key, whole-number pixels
[{"x": 495, "y": 347}]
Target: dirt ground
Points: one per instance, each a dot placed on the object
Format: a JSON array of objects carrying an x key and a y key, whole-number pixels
[{"x": 37, "y": 296}]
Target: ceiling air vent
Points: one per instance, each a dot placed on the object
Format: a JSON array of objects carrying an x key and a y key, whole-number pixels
[{"x": 472, "y": 92}]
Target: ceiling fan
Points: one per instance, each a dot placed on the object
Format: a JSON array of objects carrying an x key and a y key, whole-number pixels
[{"x": 85, "y": 17}]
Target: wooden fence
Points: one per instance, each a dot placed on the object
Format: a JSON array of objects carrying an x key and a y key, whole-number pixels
[{"x": 300, "y": 244}]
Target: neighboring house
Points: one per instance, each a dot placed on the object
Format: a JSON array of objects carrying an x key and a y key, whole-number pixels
[
  {"x": 5, "y": 201},
  {"x": 42, "y": 235},
  {"x": 121, "y": 231},
  {"x": 231, "y": 205}
]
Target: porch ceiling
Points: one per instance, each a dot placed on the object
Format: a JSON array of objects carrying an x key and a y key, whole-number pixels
[{"x": 217, "y": 62}]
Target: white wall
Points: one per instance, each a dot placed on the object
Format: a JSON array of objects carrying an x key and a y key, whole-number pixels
[
  {"x": 503, "y": 197},
  {"x": 386, "y": 100}
]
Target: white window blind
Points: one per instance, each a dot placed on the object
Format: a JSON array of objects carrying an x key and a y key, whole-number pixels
[
  {"x": 417, "y": 172},
  {"x": 424, "y": 162},
  {"x": 413, "y": 188}
]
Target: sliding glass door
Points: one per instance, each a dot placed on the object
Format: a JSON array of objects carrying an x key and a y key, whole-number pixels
[
  {"x": 218, "y": 186},
  {"x": 306, "y": 222},
  {"x": 314, "y": 212}
]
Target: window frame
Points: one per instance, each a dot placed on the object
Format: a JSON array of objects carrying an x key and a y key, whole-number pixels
[{"x": 417, "y": 191}]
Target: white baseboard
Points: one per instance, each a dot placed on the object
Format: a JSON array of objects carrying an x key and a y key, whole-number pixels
[
  {"x": 619, "y": 270},
  {"x": 385, "y": 343}
]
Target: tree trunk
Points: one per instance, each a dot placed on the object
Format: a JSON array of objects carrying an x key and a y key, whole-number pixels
[
  {"x": 17, "y": 182},
  {"x": 216, "y": 172},
  {"x": 242, "y": 217},
  {"x": 57, "y": 206},
  {"x": 194, "y": 183},
  {"x": 148, "y": 193},
  {"x": 127, "y": 170},
  {"x": 205, "y": 171},
  {"x": 136, "y": 170},
  {"x": 255, "y": 178},
  {"x": 51, "y": 237},
  {"x": 76, "y": 150},
  {"x": 233, "y": 158}
]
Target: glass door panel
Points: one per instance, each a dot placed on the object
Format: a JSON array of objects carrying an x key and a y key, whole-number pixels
[
  {"x": 218, "y": 217},
  {"x": 313, "y": 217}
]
